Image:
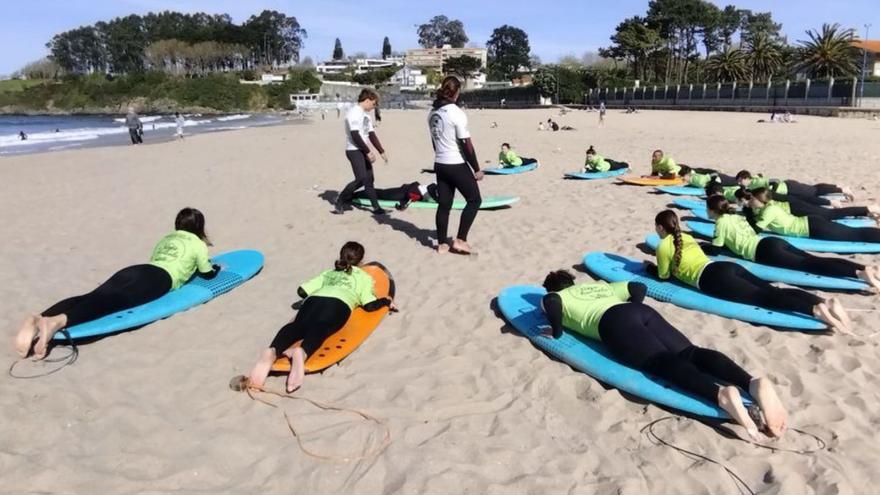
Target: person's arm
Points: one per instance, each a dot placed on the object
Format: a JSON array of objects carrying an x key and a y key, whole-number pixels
[
  {"x": 651, "y": 269},
  {"x": 375, "y": 140},
  {"x": 463, "y": 135},
  {"x": 664, "y": 260},
  {"x": 377, "y": 304},
  {"x": 711, "y": 249},
  {"x": 637, "y": 291},
  {"x": 203, "y": 264},
  {"x": 358, "y": 141},
  {"x": 310, "y": 287},
  {"x": 552, "y": 303},
  {"x": 752, "y": 219}
]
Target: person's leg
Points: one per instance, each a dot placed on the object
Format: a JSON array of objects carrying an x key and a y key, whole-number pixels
[
  {"x": 528, "y": 161},
  {"x": 732, "y": 282},
  {"x": 726, "y": 180},
  {"x": 822, "y": 189},
  {"x": 831, "y": 231},
  {"x": 466, "y": 183},
  {"x": 615, "y": 165},
  {"x": 445, "y": 195},
  {"x": 388, "y": 194},
  {"x": 777, "y": 252},
  {"x": 369, "y": 190},
  {"x": 133, "y": 135},
  {"x": 718, "y": 365},
  {"x": 359, "y": 168},
  {"x": 796, "y": 188},
  {"x": 702, "y": 170},
  {"x": 328, "y": 317}
]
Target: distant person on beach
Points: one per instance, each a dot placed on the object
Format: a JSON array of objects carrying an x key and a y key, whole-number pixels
[
  {"x": 328, "y": 301},
  {"x": 595, "y": 162},
  {"x": 358, "y": 129},
  {"x": 637, "y": 336},
  {"x": 788, "y": 118},
  {"x": 602, "y": 111},
  {"x": 338, "y": 108},
  {"x": 135, "y": 127},
  {"x": 22, "y": 136},
  {"x": 551, "y": 125},
  {"x": 179, "y": 121},
  {"x": 663, "y": 166},
  {"x": 175, "y": 259},
  {"x": 541, "y": 126},
  {"x": 456, "y": 165},
  {"x": 509, "y": 159}
]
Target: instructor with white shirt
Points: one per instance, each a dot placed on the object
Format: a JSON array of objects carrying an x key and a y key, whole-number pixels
[
  {"x": 456, "y": 165},
  {"x": 358, "y": 127}
]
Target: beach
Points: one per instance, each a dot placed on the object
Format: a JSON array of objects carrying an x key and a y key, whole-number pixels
[{"x": 472, "y": 407}]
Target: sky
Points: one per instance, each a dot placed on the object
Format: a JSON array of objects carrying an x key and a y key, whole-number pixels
[{"x": 562, "y": 27}]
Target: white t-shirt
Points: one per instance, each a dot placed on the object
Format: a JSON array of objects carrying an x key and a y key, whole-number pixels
[
  {"x": 356, "y": 119},
  {"x": 447, "y": 125}
]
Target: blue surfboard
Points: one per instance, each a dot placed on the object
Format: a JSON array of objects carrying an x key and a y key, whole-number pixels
[
  {"x": 707, "y": 229},
  {"x": 597, "y": 175},
  {"x": 521, "y": 307},
  {"x": 701, "y": 193},
  {"x": 616, "y": 268},
  {"x": 236, "y": 268},
  {"x": 784, "y": 275},
  {"x": 700, "y": 211},
  {"x": 511, "y": 170}
]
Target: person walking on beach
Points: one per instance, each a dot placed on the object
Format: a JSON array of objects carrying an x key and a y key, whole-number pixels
[
  {"x": 602, "y": 114},
  {"x": 135, "y": 127},
  {"x": 358, "y": 126},
  {"x": 455, "y": 163},
  {"x": 178, "y": 120},
  {"x": 22, "y": 136}
]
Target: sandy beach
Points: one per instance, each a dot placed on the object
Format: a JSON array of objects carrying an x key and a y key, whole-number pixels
[{"x": 472, "y": 407}]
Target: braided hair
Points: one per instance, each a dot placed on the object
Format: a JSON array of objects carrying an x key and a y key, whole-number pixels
[
  {"x": 351, "y": 255},
  {"x": 669, "y": 221}
]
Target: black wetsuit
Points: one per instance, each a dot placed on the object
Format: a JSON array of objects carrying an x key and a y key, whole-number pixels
[
  {"x": 773, "y": 251},
  {"x": 362, "y": 169}
]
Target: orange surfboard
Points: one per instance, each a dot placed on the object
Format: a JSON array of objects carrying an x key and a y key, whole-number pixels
[
  {"x": 650, "y": 181},
  {"x": 359, "y": 326}
]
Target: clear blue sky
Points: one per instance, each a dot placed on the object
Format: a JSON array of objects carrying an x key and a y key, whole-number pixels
[{"x": 562, "y": 27}]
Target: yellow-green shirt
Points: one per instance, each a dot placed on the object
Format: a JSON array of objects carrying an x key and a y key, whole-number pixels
[
  {"x": 735, "y": 233},
  {"x": 760, "y": 181},
  {"x": 354, "y": 289},
  {"x": 596, "y": 164},
  {"x": 700, "y": 180},
  {"x": 510, "y": 159},
  {"x": 775, "y": 219},
  {"x": 665, "y": 166},
  {"x": 693, "y": 260},
  {"x": 583, "y": 305},
  {"x": 181, "y": 253}
]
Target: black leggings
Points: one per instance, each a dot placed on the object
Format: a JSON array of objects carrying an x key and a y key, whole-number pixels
[
  {"x": 796, "y": 188},
  {"x": 450, "y": 178},
  {"x": 318, "y": 318},
  {"x": 363, "y": 177},
  {"x": 774, "y": 251},
  {"x": 528, "y": 161},
  {"x": 615, "y": 165},
  {"x": 135, "y": 135},
  {"x": 398, "y": 194},
  {"x": 127, "y": 288},
  {"x": 732, "y": 282},
  {"x": 639, "y": 337},
  {"x": 801, "y": 208},
  {"x": 830, "y": 231}
]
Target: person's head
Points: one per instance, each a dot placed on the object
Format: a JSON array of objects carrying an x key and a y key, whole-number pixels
[
  {"x": 685, "y": 172},
  {"x": 450, "y": 88},
  {"x": 368, "y": 99},
  {"x": 177, "y": 114},
  {"x": 591, "y": 152},
  {"x": 191, "y": 220},
  {"x": 717, "y": 206},
  {"x": 667, "y": 224},
  {"x": 558, "y": 280},
  {"x": 657, "y": 156},
  {"x": 714, "y": 189},
  {"x": 505, "y": 147},
  {"x": 744, "y": 178},
  {"x": 351, "y": 254},
  {"x": 759, "y": 197}
]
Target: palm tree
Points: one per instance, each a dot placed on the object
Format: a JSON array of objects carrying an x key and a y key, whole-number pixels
[
  {"x": 830, "y": 53},
  {"x": 729, "y": 65},
  {"x": 764, "y": 57}
]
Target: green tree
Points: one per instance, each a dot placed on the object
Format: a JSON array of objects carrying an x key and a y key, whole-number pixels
[
  {"x": 278, "y": 38},
  {"x": 829, "y": 53},
  {"x": 338, "y": 54},
  {"x": 440, "y": 30},
  {"x": 463, "y": 65},
  {"x": 759, "y": 24},
  {"x": 545, "y": 81},
  {"x": 634, "y": 42},
  {"x": 728, "y": 66},
  {"x": 764, "y": 57},
  {"x": 508, "y": 49},
  {"x": 125, "y": 40},
  {"x": 386, "y": 48},
  {"x": 729, "y": 22},
  {"x": 79, "y": 51}
]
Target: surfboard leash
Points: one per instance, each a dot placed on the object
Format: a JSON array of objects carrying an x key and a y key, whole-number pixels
[
  {"x": 66, "y": 361},
  {"x": 242, "y": 384}
]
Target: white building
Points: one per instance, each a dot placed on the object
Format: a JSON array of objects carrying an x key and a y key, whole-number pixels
[
  {"x": 434, "y": 57},
  {"x": 409, "y": 78},
  {"x": 360, "y": 65}
]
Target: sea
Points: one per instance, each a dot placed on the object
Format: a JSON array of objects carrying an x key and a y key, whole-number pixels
[{"x": 52, "y": 133}]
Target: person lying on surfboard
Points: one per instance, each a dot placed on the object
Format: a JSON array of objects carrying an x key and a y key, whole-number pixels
[
  {"x": 803, "y": 207},
  {"x": 328, "y": 302},
  {"x": 765, "y": 214},
  {"x": 175, "y": 259},
  {"x": 702, "y": 177},
  {"x": 595, "y": 162},
  {"x": 405, "y": 194},
  {"x": 790, "y": 187},
  {"x": 729, "y": 192},
  {"x": 663, "y": 166},
  {"x": 733, "y": 231},
  {"x": 637, "y": 336},
  {"x": 509, "y": 159},
  {"x": 679, "y": 256}
]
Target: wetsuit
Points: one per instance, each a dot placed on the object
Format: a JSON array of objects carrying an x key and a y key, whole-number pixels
[
  {"x": 639, "y": 337},
  {"x": 792, "y": 187},
  {"x": 404, "y": 194},
  {"x": 357, "y": 125},
  {"x": 511, "y": 159},
  {"x": 598, "y": 163},
  {"x": 701, "y": 180},
  {"x": 774, "y": 218},
  {"x": 806, "y": 205},
  {"x": 329, "y": 300},
  {"x": 175, "y": 258},
  {"x": 665, "y": 166},
  {"x": 455, "y": 163}
]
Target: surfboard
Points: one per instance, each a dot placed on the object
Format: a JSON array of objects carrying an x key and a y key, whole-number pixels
[
  {"x": 700, "y": 211},
  {"x": 634, "y": 180},
  {"x": 490, "y": 203},
  {"x": 521, "y": 307},
  {"x": 361, "y": 324},
  {"x": 707, "y": 229},
  {"x": 511, "y": 170},
  {"x": 616, "y": 268},
  {"x": 683, "y": 191},
  {"x": 784, "y": 275},
  {"x": 597, "y": 175},
  {"x": 237, "y": 268}
]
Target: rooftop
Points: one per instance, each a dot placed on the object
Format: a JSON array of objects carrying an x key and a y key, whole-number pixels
[{"x": 869, "y": 45}]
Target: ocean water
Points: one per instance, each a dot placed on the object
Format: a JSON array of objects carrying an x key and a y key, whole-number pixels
[{"x": 52, "y": 133}]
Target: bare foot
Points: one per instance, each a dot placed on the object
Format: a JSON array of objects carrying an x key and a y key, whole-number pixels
[
  {"x": 838, "y": 310},
  {"x": 24, "y": 339},
  {"x": 848, "y": 193},
  {"x": 461, "y": 247},
  {"x": 775, "y": 414},
  {"x": 442, "y": 248},
  {"x": 48, "y": 326},
  {"x": 261, "y": 370},
  {"x": 730, "y": 400},
  {"x": 823, "y": 312},
  {"x": 868, "y": 276},
  {"x": 297, "y": 369},
  {"x": 835, "y": 203}
]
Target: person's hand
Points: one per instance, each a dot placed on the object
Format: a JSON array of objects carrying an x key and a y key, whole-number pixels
[
  {"x": 372, "y": 157},
  {"x": 392, "y": 307},
  {"x": 546, "y": 331},
  {"x": 385, "y": 156},
  {"x": 479, "y": 175},
  {"x": 647, "y": 264}
]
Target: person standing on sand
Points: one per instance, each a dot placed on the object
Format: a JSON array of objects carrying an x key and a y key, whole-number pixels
[
  {"x": 455, "y": 163},
  {"x": 358, "y": 126},
  {"x": 602, "y": 114},
  {"x": 133, "y": 122},
  {"x": 178, "y": 120}
]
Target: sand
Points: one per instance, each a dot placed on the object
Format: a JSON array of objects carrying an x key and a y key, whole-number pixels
[{"x": 471, "y": 406}]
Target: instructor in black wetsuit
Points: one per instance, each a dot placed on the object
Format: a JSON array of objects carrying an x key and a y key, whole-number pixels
[{"x": 358, "y": 125}]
